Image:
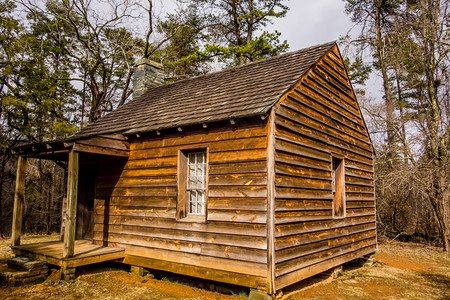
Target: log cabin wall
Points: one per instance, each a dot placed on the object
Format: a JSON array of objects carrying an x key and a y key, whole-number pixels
[
  {"x": 317, "y": 120},
  {"x": 136, "y": 205}
]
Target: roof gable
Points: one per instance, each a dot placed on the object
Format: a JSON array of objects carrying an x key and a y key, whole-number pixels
[
  {"x": 237, "y": 92},
  {"x": 324, "y": 96}
]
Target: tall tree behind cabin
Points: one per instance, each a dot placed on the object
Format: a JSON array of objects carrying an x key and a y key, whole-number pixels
[
  {"x": 227, "y": 31},
  {"x": 409, "y": 42}
]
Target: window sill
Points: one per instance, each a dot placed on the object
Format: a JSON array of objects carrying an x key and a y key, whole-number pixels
[
  {"x": 193, "y": 219},
  {"x": 339, "y": 217}
]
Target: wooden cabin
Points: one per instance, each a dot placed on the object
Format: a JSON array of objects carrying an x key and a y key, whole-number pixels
[{"x": 259, "y": 175}]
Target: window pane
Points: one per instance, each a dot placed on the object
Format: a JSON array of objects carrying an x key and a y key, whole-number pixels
[
  {"x": 196, "y": 202},
  {"x": 200, "y": 202},
  {"x": 192, "y": 202},
  {"x": 200, "y": 158},
  {"x": 197, "y": 182}
]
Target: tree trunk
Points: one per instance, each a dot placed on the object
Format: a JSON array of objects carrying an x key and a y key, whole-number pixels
[
  {"x": 437, "y": 153},
  {"x": 389, "y": 104},
  {"x": 437, "y": 200},
  {"x": 2, "y": 181},
  {"x": 2, "y": 234}
]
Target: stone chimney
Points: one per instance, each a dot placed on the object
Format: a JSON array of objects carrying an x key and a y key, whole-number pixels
[{"x": 146, "y": 74}]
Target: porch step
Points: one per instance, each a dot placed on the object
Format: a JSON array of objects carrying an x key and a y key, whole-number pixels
[
  {"x": 26, "y": 264},
  {"x": 22, "y": 270}
]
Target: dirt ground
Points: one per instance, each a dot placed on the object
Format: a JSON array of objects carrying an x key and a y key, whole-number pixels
[{"x": 400, "y": 271}]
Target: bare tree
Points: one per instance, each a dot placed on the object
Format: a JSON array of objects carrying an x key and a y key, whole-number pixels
[
  {"x": 411, "y": 54},
  {"x": 94, "y": 37}
]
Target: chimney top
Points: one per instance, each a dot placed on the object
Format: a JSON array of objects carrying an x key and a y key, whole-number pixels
[{"x": 147, "y": 74}]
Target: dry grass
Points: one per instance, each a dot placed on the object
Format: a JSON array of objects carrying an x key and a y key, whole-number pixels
[
  {"x": 401, "y": 271},
  {"x": 109, "y": 284}
]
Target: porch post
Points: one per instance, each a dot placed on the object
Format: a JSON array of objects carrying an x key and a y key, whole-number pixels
[
  {"x": 19, "y": 196},
  {"x": 71, "y": 211}
]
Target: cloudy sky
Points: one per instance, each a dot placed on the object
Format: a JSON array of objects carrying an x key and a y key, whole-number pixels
[
  {"x": 308, "y": 23},
  {"x": 313, "y": 22}
]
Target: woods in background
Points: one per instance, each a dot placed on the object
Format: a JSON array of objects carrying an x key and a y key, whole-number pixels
[
  {"x": 409, "y": 46},
  {"x": 64, "y": 64}
]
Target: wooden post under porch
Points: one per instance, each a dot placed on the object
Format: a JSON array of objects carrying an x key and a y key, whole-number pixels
[
  {"x": 68, "y": 253},
  {"x": 71, "y": 213},
  {"x": 19, "y": 198}
]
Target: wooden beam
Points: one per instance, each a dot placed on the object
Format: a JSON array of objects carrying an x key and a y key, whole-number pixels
[
  {"x": 19, "y": 197},
  {"x": 100, "y": 150},
  {"x": 71, "y": 212},
  {"x": 106, "y": 143},
  {"x": 115, "y": 136},
  {"x": 271, "y": 203},
  {"x": 45, "y": 154}
]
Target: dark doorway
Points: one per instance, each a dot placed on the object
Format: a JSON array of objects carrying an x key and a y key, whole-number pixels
[{"x": 85, "y": 208}]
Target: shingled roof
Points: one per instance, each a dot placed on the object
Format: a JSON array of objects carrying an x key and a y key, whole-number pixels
[{"x": 232, "y": 93}]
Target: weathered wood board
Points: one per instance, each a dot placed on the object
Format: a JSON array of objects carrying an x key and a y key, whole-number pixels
[
  {"x": 315, "y": 121},
  {"x": 289, "y": 180},
  {"x": 136, "y": 205}
]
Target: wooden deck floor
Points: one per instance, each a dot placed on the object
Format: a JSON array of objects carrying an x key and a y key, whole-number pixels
[{"x": 86, "y": 253}]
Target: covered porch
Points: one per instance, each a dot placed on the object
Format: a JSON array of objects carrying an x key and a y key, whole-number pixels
[{"x": 73, "y": 250}]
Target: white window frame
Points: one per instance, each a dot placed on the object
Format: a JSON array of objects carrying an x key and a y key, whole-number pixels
[
  {"x": 185, "y": 190},
  {"x": 196, "y": 183}
]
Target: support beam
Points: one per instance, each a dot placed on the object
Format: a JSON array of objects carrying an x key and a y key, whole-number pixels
[
  {"x": 271, "y": 204},
  {"x": 19, "y": 197},
  {"x": 71, "y": 211}
]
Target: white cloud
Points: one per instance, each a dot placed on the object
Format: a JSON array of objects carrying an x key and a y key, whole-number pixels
[{"x": 312, "y": 22}]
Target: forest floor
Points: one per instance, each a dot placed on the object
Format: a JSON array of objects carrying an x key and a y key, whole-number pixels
[{"x": 401, "y": 271}]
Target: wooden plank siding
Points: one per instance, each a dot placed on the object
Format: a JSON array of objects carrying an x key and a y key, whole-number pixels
[
  {"x": 111, "y": 144},
  {"x": 289, "y": 182},
  {"x": 319, "y": 117},
  {"x": 136, "y": 206}
]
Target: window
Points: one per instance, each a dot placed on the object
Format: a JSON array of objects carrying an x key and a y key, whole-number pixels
[
  {"x": 196, "y": 185},
  {"x": 192, "y": 174},
  {"x": 338, "y": 179}
]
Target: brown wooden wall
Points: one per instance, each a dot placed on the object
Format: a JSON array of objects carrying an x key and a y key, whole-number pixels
[
  {"x": 319, "y": 117},
  {"x": 135, "y": 202},
  {"x": 136, "y": 206}
]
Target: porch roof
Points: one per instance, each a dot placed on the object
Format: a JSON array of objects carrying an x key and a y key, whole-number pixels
[{"x": 112, "y": 145}]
